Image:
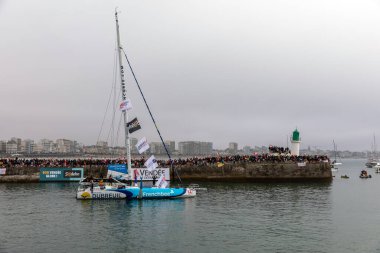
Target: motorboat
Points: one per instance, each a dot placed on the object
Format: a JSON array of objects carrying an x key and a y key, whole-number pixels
[
  {"x": 373, "y": 164},
  {"x": 364, "y": 174}
]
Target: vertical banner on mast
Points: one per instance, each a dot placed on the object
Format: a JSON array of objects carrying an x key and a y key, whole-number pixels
[{"x": 142, "y": 145}]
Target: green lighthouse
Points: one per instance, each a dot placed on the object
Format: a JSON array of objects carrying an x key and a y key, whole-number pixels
[
  {"x": 296, "y": 141},
  {"x": 296, "y": 135}
]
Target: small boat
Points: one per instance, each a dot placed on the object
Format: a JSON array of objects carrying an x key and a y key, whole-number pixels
[
  {"x": 364, "y": 174},
  {"x": 344, "y": 176},
  {"x": 373, "y": 164},
  {"x": 377, "y": 169}
]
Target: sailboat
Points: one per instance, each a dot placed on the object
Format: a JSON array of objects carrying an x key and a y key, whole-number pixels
[
  {"x": 373, "y": 161},
  {"x": 335, "y": 163},
  {"x": 90, "y": 188}
]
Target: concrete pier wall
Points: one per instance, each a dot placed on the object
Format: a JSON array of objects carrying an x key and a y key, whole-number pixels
[
  {"x": 234, "y": 172},
  {"x": 246, "y": 172}
]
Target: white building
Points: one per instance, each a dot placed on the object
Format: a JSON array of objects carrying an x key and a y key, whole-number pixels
[
  {"x": 27, "y": 146},
  {"x": 11, "y": 147},
  {"x": 65, "y": 146}
]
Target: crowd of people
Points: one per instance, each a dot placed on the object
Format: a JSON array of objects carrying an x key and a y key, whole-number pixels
[
  {"x": 278, "y": 150},
  {"x": 139, "y": 163}
]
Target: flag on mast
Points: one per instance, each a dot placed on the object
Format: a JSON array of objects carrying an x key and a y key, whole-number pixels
[
  {"x": 133, "y": 125},
  {"x": 151, "y": 163},
  {"x": 126, "y": 105},
  {"x": 142, "y": 145}
]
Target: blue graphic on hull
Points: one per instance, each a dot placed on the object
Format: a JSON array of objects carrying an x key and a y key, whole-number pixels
[{"x": 150, "y": 193}]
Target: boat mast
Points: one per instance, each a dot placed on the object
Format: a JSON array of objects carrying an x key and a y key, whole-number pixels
[
  {"x": 374, "y": 147},
  {"x": 124, "y": 97},
  {"x": 335, "y": 150}
]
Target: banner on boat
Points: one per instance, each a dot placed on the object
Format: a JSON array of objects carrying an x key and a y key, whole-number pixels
[
  {"x": 147, "y": 175},
  {"x": 3, "y": 171},
  {"x": 118, "y": 171},
  {"x": 61, "y": 174}
]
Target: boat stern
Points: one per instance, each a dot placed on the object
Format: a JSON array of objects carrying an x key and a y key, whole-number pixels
[{"x": 189, "y": 193}]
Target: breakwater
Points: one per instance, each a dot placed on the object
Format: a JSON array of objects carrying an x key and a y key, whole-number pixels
[
  {"x": 254, "y": 172},
  {"x": 229, "y": 172}
]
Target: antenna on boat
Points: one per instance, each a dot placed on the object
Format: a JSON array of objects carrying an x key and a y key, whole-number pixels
[{"x": 123, "y": 96}]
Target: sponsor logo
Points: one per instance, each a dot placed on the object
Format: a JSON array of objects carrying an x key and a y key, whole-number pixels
[
  {"x": 148, "y": 175},
  {"x": 72, "y": 174},
  {"x": 158, "y": 194},
  {"x": 108, "y": 195}
]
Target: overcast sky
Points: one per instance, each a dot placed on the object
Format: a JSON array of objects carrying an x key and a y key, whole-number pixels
[{"x": 211, "y": 70}]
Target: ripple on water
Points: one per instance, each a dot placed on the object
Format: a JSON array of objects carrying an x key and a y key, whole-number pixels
[{"x": 227, "y": 218}]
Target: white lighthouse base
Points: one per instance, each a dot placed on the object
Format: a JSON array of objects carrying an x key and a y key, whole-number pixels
[{"x": 295, "y": 148}]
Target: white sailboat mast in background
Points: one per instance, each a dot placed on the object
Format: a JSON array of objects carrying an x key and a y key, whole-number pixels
[
  {"x": 335, "y": 162},
  {"x": 123, "y": 97}
]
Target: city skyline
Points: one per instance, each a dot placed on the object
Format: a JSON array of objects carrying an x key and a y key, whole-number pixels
[
  {"x": 157, "y": 148},
  {"x": 214, "y": 71}
]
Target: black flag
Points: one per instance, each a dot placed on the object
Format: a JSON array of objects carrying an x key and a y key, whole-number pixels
[{"x": 133, "y": 125}]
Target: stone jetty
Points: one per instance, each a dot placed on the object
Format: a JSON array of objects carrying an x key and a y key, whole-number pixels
[
  {"x": 228, "y": 172},
  {"x": 255, "y": 172}
]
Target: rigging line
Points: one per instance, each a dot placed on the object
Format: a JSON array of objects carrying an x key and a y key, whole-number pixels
[
  {"x": 115, "y": 138},
  {"x": 111, "y": 131},
  {"x": 151, "y": 115},
  {"x": 118, "y": 129},
  {"x": 109, "y": 98},
  {"x": 113, "y": 117}
]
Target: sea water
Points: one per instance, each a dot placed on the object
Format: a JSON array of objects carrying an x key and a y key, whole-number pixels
[{"x": 338, "y": 216}]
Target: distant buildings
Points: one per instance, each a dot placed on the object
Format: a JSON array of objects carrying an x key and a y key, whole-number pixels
[
  {"x": 62, "y": 147},
  {"x": 11, "y": 147},
  {"x": 65, "y": 146},
  {"x": 195, "y": 148},
  {"x": 232, "y": 147},
  {"x": 18, "y": 143},
  {"x": 48, "y": 146},
  {"x": 3, "y": 146},
  {"x": 133, "y": 145},
  {"x": 27, "y": 146},
  {"x": 247, "y": 150}
]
